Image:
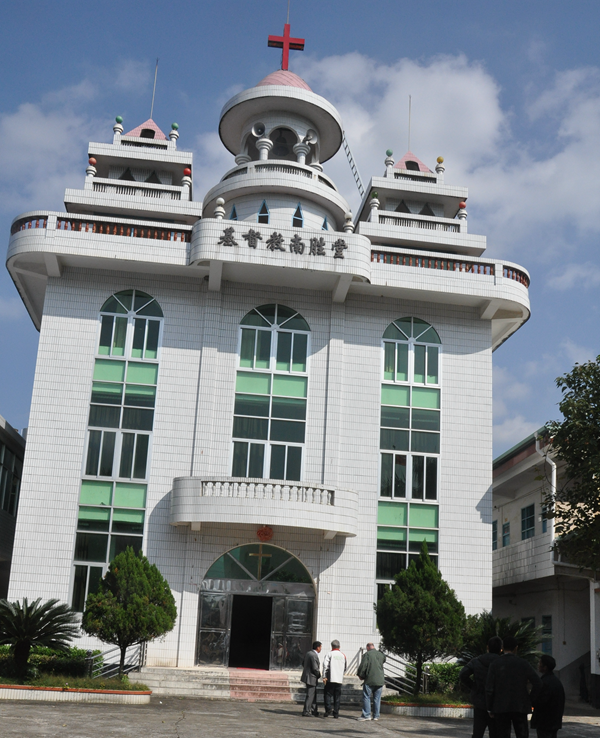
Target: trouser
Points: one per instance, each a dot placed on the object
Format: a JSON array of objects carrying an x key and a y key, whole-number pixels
[
  {"x": 519, "y": 723},
  {"x": 545, "y": 733},
  {"x": 481, "y": 721},
  {"x": 369, "y": 692},
  {"x": 310, "y": 703},
  {"x": 332, "y": 695}
]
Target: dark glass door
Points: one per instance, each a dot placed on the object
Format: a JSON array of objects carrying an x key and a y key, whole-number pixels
[{"x": 250, "y": 638}]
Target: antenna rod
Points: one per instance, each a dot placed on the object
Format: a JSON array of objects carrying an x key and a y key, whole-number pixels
[
  {"x": 154, "y": 89},
  {"x": 409, "y": 116},
  {"x": 288, "y": 13}
]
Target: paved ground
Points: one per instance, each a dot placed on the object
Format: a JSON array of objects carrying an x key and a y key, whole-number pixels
[{"x": 172, "y": 717}]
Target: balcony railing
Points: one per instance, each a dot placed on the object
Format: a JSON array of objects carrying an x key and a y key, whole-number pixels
[
  {"x": 449, "y": 265},
  {"x": 280, "y": 167},
  {"x": 268, "y": 490},
  {"x": 428, "y": 225},
  {"x": 141, "y": 190},
  {"x": 84, "y": 224}
]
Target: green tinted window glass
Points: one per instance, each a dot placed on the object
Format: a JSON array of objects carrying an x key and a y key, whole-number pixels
[
  {"x": 140, "y": 396},
  {"x": 109, "y": 371},
  {"x": 290, "y": 386},
  {"x": 431, "y": 478},
  {"x": 256, "y": 384},
  {"x": 277, "y": 462},
  {"x": 247, "y": 348},
  {"x": 416, "y": 538},
  {"x": 387, "y": 463},
  {"x": 93, "y": 518},
  {"x": 395, "y": 395},
  {"x": 405, "y": 325},
  {"x": 392, "y": 332},
  {"x": 125, "y": 297},
  {"x": 257, "y": 457},
  {"x": 256, "y": 405},
  {"x": 93, "y": 454},
  {"x": 392, "y": 513},
  {"x": 95, "y": 493},
  {"x": 268, "y": 312},
  {"x": 250, "y": 428},
  {"x": 292, "y": 571},
  {"x": 389, "y": 359},
  {"x": 141, "y": 299},
  {"x": 294, "y": 463},
  {"x": 151, "y": 351},
  {"x": 400, "y": 475},
  {"x": 139, "y": 336},
  {"x": 105, "y": 334},
  {"x": 390, "y": 544},
  {"x": 395, "y": 417},
  {"x": 420, "y": 364},
  {"x": 389, "y": 564},
  {"x": 78, "y": 601},
  {"x": 130, "y": 495},
  {"x": 423, "y": 516},
  {"x": 402, "y": 364},
  {"x": 287, "y": 407},
  {"x": 226, "y": 568},
  {"x": 253, "y": 318},
  {"x": 425, "y": 443},
  {"x": 419, "y": 327},
  {"x": 95, "y": 579},
  {"x": 118, "y": 544},
  {"x": 418, "y": 476},
  {"x": 432, "y": 365},
  {"x": 152, "y": 309},
  {"x": 394, "y": 440},
  {"x": 128, "y": 521},
  {"x": 426, "y": 420},
  {"x": 118, "y": 347},
  {"x": 110, "y": 394},
  {"x": 425, "y": 397},
  {"x": 142, "y": 373},
  {"x": 299, "y": 355},
  {"x": 135, "y": 418},
  {"x": 127, "y": 445},
  {"x": 112, "y": 306},
  {"x": 284, "y": 351},
  {"x": 104, "y": 416},
  {"x": 263, "y": 349},
  {"x": 430, "y": 336},
  {"x": 108, "y": 453},
  {"x": 287, "y": 430},
  {"x": 141, "y": 457},
  {"x": 391, "y": 534}
]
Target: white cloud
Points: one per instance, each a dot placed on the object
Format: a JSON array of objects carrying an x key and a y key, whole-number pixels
[
  {"x": 576, "y": 353},
  {"x": 512, "y": 430},
  {"x": 581, "y": 276},
  {"x": 11, "y": 308},
  {"x": 133, "y": 76}
]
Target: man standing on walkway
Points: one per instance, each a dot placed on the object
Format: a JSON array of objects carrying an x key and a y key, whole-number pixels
[
  {"x": 310, "y": 677},
  {"x": 507, "y": 697},
  {"x": 474, "y": 675},
  {"x": 549, "y": 707},
  {"x": 334, "y": 668},
  {"x": 371, "y": 672}
]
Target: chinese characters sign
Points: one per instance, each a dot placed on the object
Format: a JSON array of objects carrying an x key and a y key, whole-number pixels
[{"x": 316, "y": 246}]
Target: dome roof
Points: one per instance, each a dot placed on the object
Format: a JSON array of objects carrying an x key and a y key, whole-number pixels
[{"x": 284, "y": 78}]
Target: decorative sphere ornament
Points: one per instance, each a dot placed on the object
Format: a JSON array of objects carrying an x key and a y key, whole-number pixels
[
  {"x": 175, "y": 126},
  {"x": 264, "y": 534},
  {"x": 389, "y": 152},
  {"x": 440, "y": 160},
  {"x": 186, "y": 172},
  {"x": 374, "y": 195},
  {"x": 92, "y": 161},
  {"x": 119, "y": 118},
  {"x": 462, "y": 205}
]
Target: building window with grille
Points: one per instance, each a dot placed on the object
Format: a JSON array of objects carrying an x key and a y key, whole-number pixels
[
  {"x": 494, "y": 535},
  {"x": 505, "y": 534},
  {"x": 527, "y": 522}
]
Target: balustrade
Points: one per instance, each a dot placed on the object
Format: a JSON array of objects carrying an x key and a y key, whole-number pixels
[
  {"x": 277, "y": 491},
  {"x": 429, "y": 225}
]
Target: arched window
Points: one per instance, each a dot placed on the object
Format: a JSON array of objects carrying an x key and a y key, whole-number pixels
[
  {"x": 263, "y": 213},
  {"x": 410, "y": 445},
  {"x": 269, "y": 425},
  {"x": 119, "y": 438},
  {"x": 298, "y": 219}
]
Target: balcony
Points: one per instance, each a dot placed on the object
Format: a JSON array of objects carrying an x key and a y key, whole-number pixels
[{"x": 231, "y": 500}]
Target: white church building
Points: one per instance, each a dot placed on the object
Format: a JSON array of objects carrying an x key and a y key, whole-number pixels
[{"x": 275, "y": 400}]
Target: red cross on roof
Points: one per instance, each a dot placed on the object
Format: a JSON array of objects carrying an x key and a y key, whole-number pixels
[{"x": 286, "y": 43}]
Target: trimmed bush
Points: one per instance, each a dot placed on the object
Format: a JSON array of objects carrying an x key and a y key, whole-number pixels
[
  {"x": 443, "y": 678},
  {"x": 70, "y": 663}
]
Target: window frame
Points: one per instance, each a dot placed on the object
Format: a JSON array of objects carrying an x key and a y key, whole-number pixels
[{"x": 528, "y": 517}]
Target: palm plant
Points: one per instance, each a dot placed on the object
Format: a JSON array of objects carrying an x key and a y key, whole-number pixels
[
  {"x": 25, "y": 625},
  {"x": 480, "y": 628}
]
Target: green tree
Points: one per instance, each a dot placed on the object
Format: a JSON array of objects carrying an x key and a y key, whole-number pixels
[
  {"x": 134, "y": 604},
  {"x": 420, "y": 617},
  {"x": 25, "y": 625},
  {"x": 575, "y": 504},
  {"x": 480, "y": 628}
]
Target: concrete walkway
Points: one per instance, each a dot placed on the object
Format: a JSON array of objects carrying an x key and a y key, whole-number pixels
[{"x": 173, "y": 717}]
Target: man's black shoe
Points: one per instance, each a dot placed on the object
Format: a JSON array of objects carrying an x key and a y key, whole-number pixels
[{"x": 328, "y": 714}]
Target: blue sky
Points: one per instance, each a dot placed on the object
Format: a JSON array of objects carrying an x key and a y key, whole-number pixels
[{"x": 508, "y": 93}]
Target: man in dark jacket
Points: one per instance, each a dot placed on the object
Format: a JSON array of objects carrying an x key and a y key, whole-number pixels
[
  {"x": 506, "y": 694},
  {"x": 549, "y": 707},
  {"x": 474, "y": 675},
  {"x": 310, "y": 677},
  {"x": 371, "y": 672}
]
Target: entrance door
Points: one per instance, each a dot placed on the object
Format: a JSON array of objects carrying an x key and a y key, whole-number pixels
[{"x": 250, "y": 631}]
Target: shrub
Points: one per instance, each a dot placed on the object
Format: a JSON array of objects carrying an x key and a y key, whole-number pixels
[
  {"x": 443, "y": 678},
  {"x": 44, "y": 660}
]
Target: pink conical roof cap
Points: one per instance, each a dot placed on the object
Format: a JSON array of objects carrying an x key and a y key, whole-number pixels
[
  {"x": 158, "y": 134},
  {"x": 285, "y": 78},
  {"x": 409, "y": 156}
]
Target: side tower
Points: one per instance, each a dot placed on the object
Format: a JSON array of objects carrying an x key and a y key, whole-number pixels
[{"x": 277, "y": 403}]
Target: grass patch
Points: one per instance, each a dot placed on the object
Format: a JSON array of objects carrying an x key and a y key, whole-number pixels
[
  {"x": 49, "y": 680},
  {"x": 434, "y": 698}
]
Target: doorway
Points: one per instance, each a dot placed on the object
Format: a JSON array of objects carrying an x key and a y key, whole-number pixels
[{"x": 250, "y": 643}]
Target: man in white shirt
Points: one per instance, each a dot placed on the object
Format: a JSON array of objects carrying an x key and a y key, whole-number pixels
[{"x": 334, "y": 668}]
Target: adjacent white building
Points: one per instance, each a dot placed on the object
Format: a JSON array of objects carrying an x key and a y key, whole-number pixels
[{"x": 275, "y": 400}]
